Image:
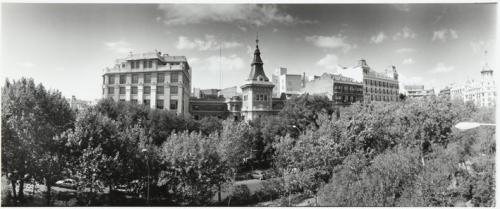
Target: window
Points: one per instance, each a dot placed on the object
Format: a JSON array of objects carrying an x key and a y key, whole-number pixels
[
  {"x": 159, "y": 104},
  {"x": 111, "y": 90},
  {"x": 135, "y": 78},
  {"x": 147, "y": 64},
  {"x": 245, "y": 97},
  {"x": 122, "y": 90},
  {"x": 147, "y": 78},
  {"x": 159, "y": 90},
  {"x": 147, "y": 90},
  {"x": 123, "y": 79},
  {"x": 160, "y": 78},
  {"x": 111, "y": 79},
  {"x": 122, "y": 100},
  {"x": 135, "y": 64},
  {"x": 174, "y": 90},
  {"x": 134, "y": 101},
  {"x": 265, "y": 97},
  {"x": 134, "y": 89},
  {"x": 173, "y": 104},
  {"x": 174, "y": 77},
  {"x": 146, "y": 102}
]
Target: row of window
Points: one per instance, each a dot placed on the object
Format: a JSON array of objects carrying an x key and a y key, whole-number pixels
[
  {"x": 159, "y": 103},
  {"x": 383, "y": 98},
  {"x": 380, "y": 91},
  {"x": 347, "y": 88},
  {"x": 381, "y": 83},
  {"x": 136, "y": 64},
  {"x": 146, "y": 90},
  {"x": 174, "y": 78},
  {"x": 346, "y": 99},
  {"x": 258, "y": 97}
]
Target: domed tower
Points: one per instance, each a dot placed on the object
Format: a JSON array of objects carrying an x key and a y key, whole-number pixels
[{"x": 257, "y": 91}]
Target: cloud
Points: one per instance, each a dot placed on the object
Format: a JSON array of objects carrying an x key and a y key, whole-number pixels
[
  {"x": 379, "y": 38},
  {"x": 206, "y": 44},
  {"x": 444, "y": 34},
  {"x": 259, "y": 15},
  {"x": 242, "y": 28},
  {"x": 409, "y": 80},
  {"x": 329, "y": 61},
  {"x": 213, "y": 64},
  {"x": 27, "y": 64},
  {"x": 119, "y": 46},
  {"x": 404, "y": 50},
  {"x": 275, "y": 30},
  {"x": 332, "y": 42},
  {"x": 442, "y": 68},
  {"x": 478, "y": 46},
  {"x": 405, "y": 33},
  {"x": 408, "y": 61}
]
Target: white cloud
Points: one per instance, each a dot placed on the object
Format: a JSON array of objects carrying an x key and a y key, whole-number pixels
[
  {"x": 478, "y": 47},
  {"x": 404, "y": 50},
  {"x": 408, "y": 61},
  {"x": 206, "y": 44},
  {"x": 379, "y": 38},
  {"x": 405, "y": 33},
  {"x": 332, "y": 42},
  {"x": 242, "y": 28},
  {"x": 409, "y": 80},
  {"x": 329, "y": 61},
  {"x": 213, "y": 64},
  {"x": 442, "y": 68},
  {"x": 402, "y": 7},
  {"x": 444, "y": 34},
  {"x": 119, "y": 46},
  {"x": 181, "y": 14},
  {"x": 27, "y": 64},
  {"x": 275, "y": 30}
]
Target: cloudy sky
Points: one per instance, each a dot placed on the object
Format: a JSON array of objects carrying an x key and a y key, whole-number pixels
[{"x": 66, "y": 46}]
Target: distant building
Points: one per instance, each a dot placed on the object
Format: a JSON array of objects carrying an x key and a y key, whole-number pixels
[
  {"x": 290, "y": 84},
  {"x": 377, "y": 86},
  {"x": 446, "y": 92},
  {"x": 229, "y": 92},
  {"x": 481, "y": 92},
  {"x": 339, "y": 89},
  {"x": 209, "y": 93},
  {"x": 77, "y": 104},
  {"x": 416, "y": 91},
  {"x": 152, "y": 79}
]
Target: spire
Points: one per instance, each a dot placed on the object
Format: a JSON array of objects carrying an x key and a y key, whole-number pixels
[
  {"x": 486, "y": 68},
  {"x": 257, "y": 64},
  {"x": 257, "y": 41},
  {"x": 256, "y": 54}
]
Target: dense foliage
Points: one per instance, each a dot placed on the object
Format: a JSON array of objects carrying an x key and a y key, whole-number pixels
[{"x": 404, "y": 153}]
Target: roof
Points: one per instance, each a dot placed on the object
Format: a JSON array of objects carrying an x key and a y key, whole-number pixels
[
  {"x": 154, "y": 55},
  {"x": 257, "y": 66}
]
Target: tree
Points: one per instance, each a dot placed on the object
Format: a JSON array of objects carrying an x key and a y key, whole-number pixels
[
  {"x": 191, "y": 168},
  {"x": 31, "y": 119}
]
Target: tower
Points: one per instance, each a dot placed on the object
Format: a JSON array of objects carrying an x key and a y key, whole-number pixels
[{"x": 257, "y": 91}]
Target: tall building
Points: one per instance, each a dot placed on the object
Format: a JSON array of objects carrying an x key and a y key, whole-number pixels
[
  {"x": 290, "y": 84},
  {"x": 416, "y": 91},
  {"x": 153, "y": 79},
  {"x": 340, "y": 89},
  {"x": 257, "y": 91},
  {"x": 481, "y": 92}
]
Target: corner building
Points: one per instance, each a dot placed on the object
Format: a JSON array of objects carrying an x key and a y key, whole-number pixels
[{"x": 153, "y": 79}]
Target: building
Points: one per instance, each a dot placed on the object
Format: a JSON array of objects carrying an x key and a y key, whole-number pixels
[
  {"x": 257, "y": 91},
  {"x": 377, "y": 86},
  {"x": 446, "y": 92},
  {"x": 77, "y": 104},
  {"x": 153, "y": 79},
  {"x": 289, "y": 84},
  {"x": 481, "y": 92},
  {"x": 209, "y": 93},
  {"x": 339, "y": 89},
  {"x": 417, "y": 91},
  {"x": 229, "y": 92}
]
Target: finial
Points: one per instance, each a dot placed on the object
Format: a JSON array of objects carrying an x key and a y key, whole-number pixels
[{"x": 257, "y": 40}]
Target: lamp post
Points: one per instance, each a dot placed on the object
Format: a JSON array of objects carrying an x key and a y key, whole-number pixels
[
  {"x": 145, "y": 151},
  {"x": 471, "y": 125}
]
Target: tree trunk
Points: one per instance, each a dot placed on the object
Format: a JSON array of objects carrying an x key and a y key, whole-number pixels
[
  {"x": 219, "y": 196},
  {"x": 21, "y": 191},
  {"x": 48, "y": 196},
  {"x": 14, "y": 195}
]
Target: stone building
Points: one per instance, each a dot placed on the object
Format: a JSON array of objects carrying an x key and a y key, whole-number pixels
[
  {"x": 290, "y": 84},
  {"x": 340, "y": 89},
  {"x": 153, "y": 79},
  {"x": 257, "y": 92},
  {"x": 417, "y": 91},
  {"x": 481, "y": 92}
]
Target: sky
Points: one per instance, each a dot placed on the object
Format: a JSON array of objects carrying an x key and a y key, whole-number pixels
[{"x": 67, "y": 46}]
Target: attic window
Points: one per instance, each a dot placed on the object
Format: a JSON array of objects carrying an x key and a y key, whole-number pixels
[{"x": 260, "y": 78}]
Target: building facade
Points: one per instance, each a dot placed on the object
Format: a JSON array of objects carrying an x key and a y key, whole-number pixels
[
  {"x": 152, "y": 79},
  {"x": 481, "y": 92},
  {"x": 257, "y": 92},
  {"x": 339, "y": 89},
  {"x": 289, "y": 84},
  {"x": 417, "y": 91}
]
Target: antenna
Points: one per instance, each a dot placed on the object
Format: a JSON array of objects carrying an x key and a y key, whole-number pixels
[{"x": 220, "y": 67}]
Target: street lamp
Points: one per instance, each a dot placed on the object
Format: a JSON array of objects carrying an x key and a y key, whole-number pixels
[
  {"x": 471, "y": 125},
  {"x": 144, "y": 150}
]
